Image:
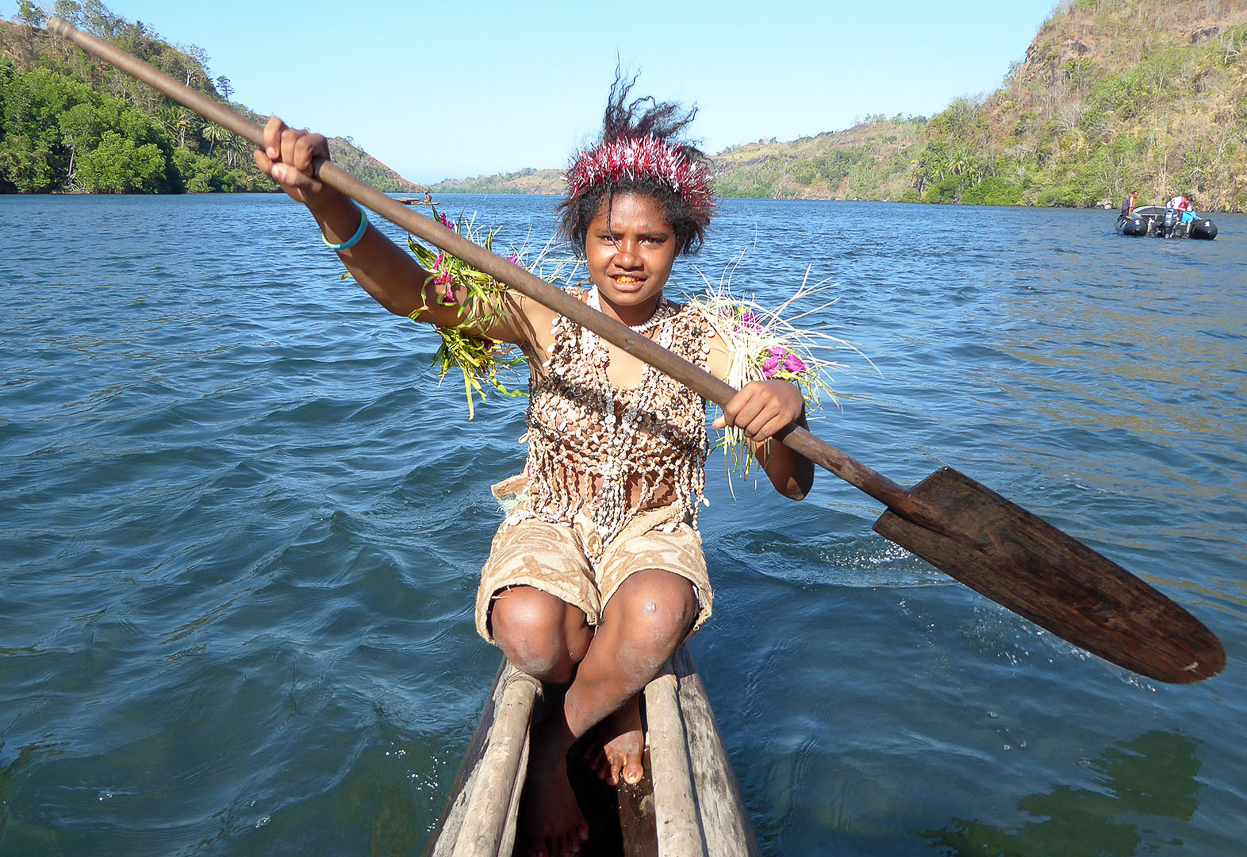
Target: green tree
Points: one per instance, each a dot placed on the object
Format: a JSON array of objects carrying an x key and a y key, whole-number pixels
[
  {"x": 33, "y": 155},
  {"x": 117, "y": 165},
  {"x": 100, "y": 20},
  {"x": 29, "y": 14},
  {"x": 7, "y": 73},
  {"x": 947, "y": 190},
  {"x": 200, "y": 174},
  {"x": 188, "y": 124},
  {"x": 81, "y": 130},
  {"x": 993, "y": 191},
  {"x": 26, "y": 165},
  {"x": 214, "y": 135},
  {"x": 238, "y": 150},
  {"x": 69, "y": 11}
]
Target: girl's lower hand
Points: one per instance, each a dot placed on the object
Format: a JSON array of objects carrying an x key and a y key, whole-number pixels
[{"x": 763, "y": 408}]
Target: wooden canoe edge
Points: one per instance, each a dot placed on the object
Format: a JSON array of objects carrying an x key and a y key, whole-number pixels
[
  {"x": 724, "y": 819},
  {"x": 678, "y": 824},
  {"x": 479, "y": 817}
]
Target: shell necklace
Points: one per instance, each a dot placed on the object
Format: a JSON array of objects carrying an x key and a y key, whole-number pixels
[
  {"x": 622, "y": 418},
  {"x": 664, "y": 310}
]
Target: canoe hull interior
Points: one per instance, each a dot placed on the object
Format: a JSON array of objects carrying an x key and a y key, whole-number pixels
[{"x": 688, "y": 804}]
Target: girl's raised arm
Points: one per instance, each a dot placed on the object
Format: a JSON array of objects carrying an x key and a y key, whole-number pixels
[{"x": 386, "y": 271}]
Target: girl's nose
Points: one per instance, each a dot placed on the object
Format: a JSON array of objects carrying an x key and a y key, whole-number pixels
[{"x": 625, "y": 254}]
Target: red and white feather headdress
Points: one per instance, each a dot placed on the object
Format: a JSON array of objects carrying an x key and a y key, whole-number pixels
[{"x": 636, "y": 158}]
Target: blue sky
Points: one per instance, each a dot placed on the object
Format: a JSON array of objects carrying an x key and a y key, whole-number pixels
[{"x": 455, "y": 89}]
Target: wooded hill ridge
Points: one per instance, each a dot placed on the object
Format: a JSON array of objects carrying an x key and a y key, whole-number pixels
[
  {"x": 70, "y": 123},
  {"x": 1112, "y": 96}
]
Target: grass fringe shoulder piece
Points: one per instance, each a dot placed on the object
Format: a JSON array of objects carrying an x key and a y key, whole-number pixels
[
  {"x": 481, "y": 360},
  {"x": 769, "y": 343}
]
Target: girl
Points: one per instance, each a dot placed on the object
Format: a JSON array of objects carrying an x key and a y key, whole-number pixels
[{"x": 598, "y": 574}]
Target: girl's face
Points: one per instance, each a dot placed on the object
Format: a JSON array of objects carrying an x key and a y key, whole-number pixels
[{"x": 630, "y": 248}]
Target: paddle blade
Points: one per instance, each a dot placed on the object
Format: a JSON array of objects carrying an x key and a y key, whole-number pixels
[{"x": 1030, "y": 567}]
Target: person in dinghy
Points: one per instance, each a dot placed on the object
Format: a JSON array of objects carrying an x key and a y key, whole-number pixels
[{"x": 598, "y": 574}]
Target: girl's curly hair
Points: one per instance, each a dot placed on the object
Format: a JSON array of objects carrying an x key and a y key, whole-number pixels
[{"x": 640, "y": 118}]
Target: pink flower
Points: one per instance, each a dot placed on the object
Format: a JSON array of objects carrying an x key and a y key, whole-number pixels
[
  {"x": 779, "y": 359},
  {"x": 773, "y": 362},
  {"x": 794, "y": 364},
  {"x": 515, "y": 260},
  {"x": 743, "y": 319},
  {"x": 442, "y": 273},
  {"x": 444, "y": 276},
  {"x": 445, "y": 221}
]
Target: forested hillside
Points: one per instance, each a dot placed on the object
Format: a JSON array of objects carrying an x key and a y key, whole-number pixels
[
  {"x": 1112, "y": 96},
  {"x": 872, "y": 160},
  {"x": 549, "y": 182},
  {"x": 69, "y": 123}
]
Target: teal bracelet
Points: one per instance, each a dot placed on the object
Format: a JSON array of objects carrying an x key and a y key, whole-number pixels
[{"x": 354, "y": 239}]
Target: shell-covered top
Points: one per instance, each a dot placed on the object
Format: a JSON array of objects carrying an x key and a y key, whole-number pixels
[{"x": 609, "y": 453}]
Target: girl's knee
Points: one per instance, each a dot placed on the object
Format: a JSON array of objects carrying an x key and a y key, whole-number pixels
[
  {"x": 655, "y": 609},
  {"x": 539, "y": 633}
]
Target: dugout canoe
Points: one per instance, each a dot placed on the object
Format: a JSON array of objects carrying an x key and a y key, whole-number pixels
[{"x": 687, "y": 805}]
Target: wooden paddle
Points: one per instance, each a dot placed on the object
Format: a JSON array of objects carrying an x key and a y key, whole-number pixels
[{"x": 961, "y": 527}]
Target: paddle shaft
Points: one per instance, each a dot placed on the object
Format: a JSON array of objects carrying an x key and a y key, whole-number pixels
[{"x": 643, "y": 348}]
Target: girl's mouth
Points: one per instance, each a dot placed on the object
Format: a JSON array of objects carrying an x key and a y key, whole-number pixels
[{"x": 627, "y": 280}]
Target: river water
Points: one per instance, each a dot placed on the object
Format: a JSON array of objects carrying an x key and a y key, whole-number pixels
[{"x": 241, "y": 528}]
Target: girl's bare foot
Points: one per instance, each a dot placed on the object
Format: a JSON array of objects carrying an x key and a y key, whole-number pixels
[
  {"x": 619, "y": 745},
  {"x": 552, "y": 818}
]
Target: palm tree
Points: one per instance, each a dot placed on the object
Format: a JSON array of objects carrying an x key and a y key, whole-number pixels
[
  {"x": 168, "y": 118},
  {"x": 187, "y": 123},
  {"x": 214, "y": 134},
  {"x": 237, "y": 150}
]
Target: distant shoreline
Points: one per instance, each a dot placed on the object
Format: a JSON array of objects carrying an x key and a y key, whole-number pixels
[{"x": 396, "y": 194}]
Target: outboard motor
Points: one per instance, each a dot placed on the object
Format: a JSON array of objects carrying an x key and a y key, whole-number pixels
[{"x": 1170, "y": 224}]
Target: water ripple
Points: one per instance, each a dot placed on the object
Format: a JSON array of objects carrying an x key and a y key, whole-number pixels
[{"x": 243, "y": 528}]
